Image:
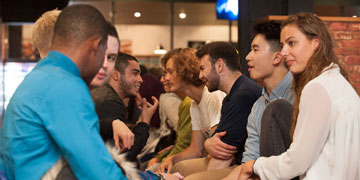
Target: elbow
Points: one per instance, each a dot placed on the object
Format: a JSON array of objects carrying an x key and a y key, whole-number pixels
[
  {"x": 196, "y": 152},
  {"x": 297, "y": 167}
]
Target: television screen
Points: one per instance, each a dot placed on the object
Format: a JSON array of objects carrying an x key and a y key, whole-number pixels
[{"x": 227, "y": 9}]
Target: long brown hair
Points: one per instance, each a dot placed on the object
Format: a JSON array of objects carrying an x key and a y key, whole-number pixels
[{"x": 312, "y": 27}]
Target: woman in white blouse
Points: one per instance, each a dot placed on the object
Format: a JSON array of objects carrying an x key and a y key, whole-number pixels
[{"x": 326, "y": 118}]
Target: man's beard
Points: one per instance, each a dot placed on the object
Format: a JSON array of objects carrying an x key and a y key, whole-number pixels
[
  {"x": 213, "y": 81},
  {"x": 126, "y": 86}
]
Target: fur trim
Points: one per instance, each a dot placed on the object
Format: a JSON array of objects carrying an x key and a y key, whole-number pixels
[
  {"x": 130, "y": 169},
  {"x": 54, "y": 171}
]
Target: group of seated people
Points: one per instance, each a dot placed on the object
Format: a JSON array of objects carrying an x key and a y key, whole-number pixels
[{"x": 215, "y": 122}]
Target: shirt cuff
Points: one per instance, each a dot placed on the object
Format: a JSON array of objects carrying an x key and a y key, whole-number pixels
[{"x": 257, "y": 165}]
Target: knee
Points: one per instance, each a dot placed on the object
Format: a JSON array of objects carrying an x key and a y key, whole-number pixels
[
  {"x": 278, "y": 112},
  {"x": 178, "y": 167},
  {"x": 196, "y": 176},
  {"x": 278, "y": 108}
]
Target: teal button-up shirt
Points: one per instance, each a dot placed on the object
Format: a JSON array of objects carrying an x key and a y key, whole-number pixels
[{"x": 52, "y": 115}]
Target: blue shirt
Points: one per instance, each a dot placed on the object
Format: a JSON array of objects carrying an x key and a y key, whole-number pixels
[
  {"x": 235, "y": 110},
  {"x": 51, "y": 115},
  {"x": 281, "y": 91}
]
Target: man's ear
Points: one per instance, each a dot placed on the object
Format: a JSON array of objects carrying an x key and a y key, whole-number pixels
[
  {"x": 276, "y": 58},
  {"x": 116, "y": 75},
  {"x": 95, "y": 44},
  {"x": 219, "y": 65}
]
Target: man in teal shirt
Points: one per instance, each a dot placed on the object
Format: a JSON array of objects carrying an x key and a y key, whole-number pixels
[{"x": 51, "y": 114}]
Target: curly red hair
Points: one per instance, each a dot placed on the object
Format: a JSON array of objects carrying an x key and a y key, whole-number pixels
[{"x": 187, "y": 66}]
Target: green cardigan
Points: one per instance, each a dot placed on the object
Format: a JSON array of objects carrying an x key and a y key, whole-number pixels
[{"x": 183, "y": 136}]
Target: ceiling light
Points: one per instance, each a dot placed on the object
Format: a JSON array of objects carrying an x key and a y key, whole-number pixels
[
  {"x": 137, "y": 14},
  {"x": 182, "y": 15},
  {"x": 160, "y": 50},
  {"x": 354, "y": 16}
]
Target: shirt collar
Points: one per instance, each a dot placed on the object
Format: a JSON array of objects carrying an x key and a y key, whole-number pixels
[
  {"x": 234, "y": 87},
  {"x": 279, "y": 91},
  {"x": 58, "y": 59}
]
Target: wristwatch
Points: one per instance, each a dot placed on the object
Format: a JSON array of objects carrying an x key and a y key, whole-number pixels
[{"x": 160, "y": 176}]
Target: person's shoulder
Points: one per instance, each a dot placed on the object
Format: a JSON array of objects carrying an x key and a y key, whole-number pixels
[
  {"x": 249, "y": 87},
  {"x": 330, "y": 79},
  {"x": 187, "y": 101},
  {"x": 259, "y": 102},
  {"x": 69, "y": 87},
  {"x": 250, "y": 84},
  {"x": 169, "y": 97},
  {"x": 100, "y": 90},
  {"x": 72, "y": 82},
  {"x": 105, "y": 95},
  {"x": 185, "y": 104},
  {"x": 213, "y": 99},
  {"x": 52, "y": 78},
  {"x": 216, "y": 94}
]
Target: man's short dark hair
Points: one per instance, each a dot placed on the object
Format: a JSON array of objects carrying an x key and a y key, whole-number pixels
[
  {"x": 223, "y": 50},
  {"x": 122, "y": 61},
  {"x": 271, "y": 31},
  {"x": 78, "y": 23},
  {"x": 112, "y": 31}
]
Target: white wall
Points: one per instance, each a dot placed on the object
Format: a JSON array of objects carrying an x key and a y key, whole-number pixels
[
  {"x": 183, "y": 34},
  {"x": 145, "y": 38}
]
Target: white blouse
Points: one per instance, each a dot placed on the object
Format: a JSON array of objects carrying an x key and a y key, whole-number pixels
[{"x": 326, "y": 142}]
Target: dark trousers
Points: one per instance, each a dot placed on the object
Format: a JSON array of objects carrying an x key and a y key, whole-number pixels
[
  {"x": 66, "y": 173},
  {"x": 275, "y": 129}
]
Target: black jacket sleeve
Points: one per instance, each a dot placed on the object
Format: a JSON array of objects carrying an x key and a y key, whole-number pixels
[
  {"x": 108, "y": 112},
  {"x": 141, "y": 132}
]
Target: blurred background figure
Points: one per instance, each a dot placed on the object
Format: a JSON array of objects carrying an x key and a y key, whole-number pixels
[{"x": 43, "y": 31}]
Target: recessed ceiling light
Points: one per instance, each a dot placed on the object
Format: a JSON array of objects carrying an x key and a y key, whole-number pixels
[
  {"x": 160, "y": 50},
  {"x": 182, "y": 15},
  {"x": 137, "y": 14}
]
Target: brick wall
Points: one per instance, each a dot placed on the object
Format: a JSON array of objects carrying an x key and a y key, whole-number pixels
[{"x": 346, "y": 36}]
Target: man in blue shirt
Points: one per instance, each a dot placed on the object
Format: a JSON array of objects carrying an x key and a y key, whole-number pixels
[
  {"x": 51, "y": 115},
  {"x": 265, "y": 63}
]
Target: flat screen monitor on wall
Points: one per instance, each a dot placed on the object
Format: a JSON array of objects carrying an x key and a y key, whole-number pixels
[{"x": 227, "y": 9}]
